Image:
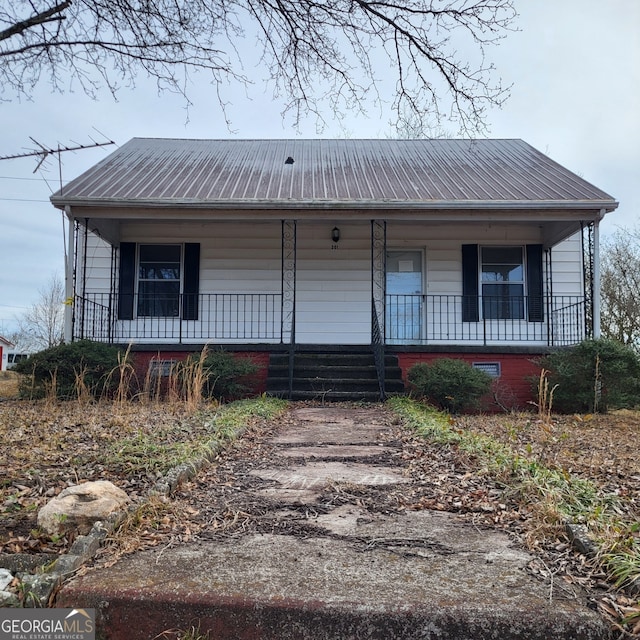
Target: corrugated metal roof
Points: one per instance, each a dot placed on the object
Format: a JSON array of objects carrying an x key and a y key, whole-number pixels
[{"x": 358, "y": 173}]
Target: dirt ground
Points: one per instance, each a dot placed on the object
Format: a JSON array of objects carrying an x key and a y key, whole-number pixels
[{"x": 47, "y": 447}]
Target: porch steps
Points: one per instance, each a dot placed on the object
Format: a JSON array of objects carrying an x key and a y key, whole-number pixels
[{"x": 332, "y": 375}]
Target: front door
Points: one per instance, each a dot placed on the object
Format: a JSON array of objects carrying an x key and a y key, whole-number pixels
[{"x": 404, "y": 303}]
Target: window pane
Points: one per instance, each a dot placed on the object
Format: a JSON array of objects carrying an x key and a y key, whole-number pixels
[
  {"x": 159, "y": 271},
  {"x": 502, "y": 264},
  {"x": 503, "y": 301},
  {"x": 502, "y": 273},
  {"x": 501, "y": 255},
  {"x": 159, "y": 299},
  {"x": 160, "y": 253}
]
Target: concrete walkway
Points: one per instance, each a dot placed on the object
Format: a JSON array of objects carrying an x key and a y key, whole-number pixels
[{"x": 351, "y": 574}]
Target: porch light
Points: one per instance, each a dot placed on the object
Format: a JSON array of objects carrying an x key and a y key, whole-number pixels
[{"x": 335, "y": 234}]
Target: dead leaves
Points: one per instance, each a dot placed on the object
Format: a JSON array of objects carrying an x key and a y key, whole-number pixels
[
  {"x": 47, "y": 448},
  {"x": 623, "y": 613}
]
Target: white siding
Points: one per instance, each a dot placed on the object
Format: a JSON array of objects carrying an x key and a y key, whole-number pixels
[
  {"x": 567, "y": 267},
  {"x": 97, "y": 267},
  {"x": 333, "y": 284}
]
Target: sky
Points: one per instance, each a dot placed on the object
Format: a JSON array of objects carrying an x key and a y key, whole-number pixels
[{"x": 574, "y": 67}]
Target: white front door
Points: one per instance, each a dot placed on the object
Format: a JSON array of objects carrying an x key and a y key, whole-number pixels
[{"x": 404, "y": 304}]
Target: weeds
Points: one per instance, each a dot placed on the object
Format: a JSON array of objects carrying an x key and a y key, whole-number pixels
[
  {"x": 545, "y": 397},
  {"x": 553, "y": 496}
]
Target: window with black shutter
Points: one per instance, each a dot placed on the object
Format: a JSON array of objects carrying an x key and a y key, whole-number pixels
[
  {"x": 502, "y": 283},
  {"x": 159, "y": 280}
]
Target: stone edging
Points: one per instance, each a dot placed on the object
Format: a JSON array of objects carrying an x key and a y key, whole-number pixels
[
  {"x": 41, "y": 586},
  {"x": 579, "y": 537}
]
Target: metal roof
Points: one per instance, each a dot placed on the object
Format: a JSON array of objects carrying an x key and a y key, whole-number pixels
[{"x": 321, "y": 173}]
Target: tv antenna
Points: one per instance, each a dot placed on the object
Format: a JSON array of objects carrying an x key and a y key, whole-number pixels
[{"x": 44, "y": 152}]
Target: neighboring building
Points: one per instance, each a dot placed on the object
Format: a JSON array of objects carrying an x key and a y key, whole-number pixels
[
  {"x": 10, "y": 354},
  {"x": 409, "y": 249},
  {"x": 5, "y": 345}
]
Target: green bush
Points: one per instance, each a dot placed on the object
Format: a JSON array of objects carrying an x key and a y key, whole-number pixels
[
  {"x": 595, "y": 375},
  {"x": 449, "y": 383},
  {"x": 70, "y": 370},
  {"x": 224, "y": 375}
]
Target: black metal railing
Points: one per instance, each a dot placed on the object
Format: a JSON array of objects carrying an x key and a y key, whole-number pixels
[
  {"x": 409, "y": 319},
  {"x": 220, "y": 316},
  {"x": 424, "y": 319}
]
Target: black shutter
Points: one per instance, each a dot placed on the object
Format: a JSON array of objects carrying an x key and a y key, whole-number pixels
[
  {"x": 191, "y": 281},
  {"x": 535, "y": 299},
  {"x": 127, "y": 279},
  {"x": 470, "y": 283}
]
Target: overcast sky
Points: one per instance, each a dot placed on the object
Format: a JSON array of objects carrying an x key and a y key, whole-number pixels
[{"x": 575, "y": 69}]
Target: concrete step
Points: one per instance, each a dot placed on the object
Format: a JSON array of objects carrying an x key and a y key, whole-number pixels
[{"x": 336, "y": 374}]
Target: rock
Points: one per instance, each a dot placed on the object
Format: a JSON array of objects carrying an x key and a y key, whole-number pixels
[
  {"x": 8, "y": 600},
  {"x": 77, "y": 508},
  {"x": 6, "y": 578}
]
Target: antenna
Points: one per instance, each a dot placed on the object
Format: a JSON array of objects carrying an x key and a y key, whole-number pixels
[{"x": 44, "y": 152}]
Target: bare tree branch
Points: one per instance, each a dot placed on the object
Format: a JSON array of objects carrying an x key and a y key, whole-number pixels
[
  {"x": 42, "y": 325},
  {"x": 313, "y": 53},
  {"x": 40, "y": 18},
  {"x": 620, "y": 283}
]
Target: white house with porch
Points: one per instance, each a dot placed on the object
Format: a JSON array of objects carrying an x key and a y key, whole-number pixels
[{"x": 393, "y": 249}]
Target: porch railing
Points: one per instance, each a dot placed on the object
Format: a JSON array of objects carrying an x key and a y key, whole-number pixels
[
  {"x": 221, "y": 316},
  {"x": 429, "y": 319},
  {"x": 409, "y": 319}
]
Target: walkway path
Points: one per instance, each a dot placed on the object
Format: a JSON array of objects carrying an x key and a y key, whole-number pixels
[{"x": 304, "y": 553}]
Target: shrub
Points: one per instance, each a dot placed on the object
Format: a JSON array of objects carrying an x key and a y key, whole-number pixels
[
  {"x": 595, "y": 375},
  {"x": 219, "y": 375},
  {"x": 70, "y": 370},
  {"x": 451, "y": 384}
]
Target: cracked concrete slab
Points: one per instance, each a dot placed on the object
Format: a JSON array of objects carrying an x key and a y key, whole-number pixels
[
  {"x": 318, "y": 474},
  {"x": 327, "y": 451}
]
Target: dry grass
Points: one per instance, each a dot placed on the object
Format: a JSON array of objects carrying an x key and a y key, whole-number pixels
[
  {"x": 48, "y": 446},
  {"x": 8, "y": 384}
]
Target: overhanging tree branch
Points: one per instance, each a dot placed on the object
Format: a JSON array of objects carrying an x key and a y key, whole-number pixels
[
  {"x": 40, "y": 18},
  {"x": 320, "y": 56}
]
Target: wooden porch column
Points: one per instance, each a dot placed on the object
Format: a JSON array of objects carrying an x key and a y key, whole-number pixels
[
  {"x": 69, "y": 293},
  {"x": 596, "y": 301}
]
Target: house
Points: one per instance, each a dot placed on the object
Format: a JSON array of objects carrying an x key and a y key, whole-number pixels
[
  {"x": 305, "y": 253},
  {"x": 5, "y": 347}
]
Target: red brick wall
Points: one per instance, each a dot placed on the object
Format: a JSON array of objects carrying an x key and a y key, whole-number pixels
[
  {"x": 513, "y": 388},
  {"x": 142, "y": 359}
]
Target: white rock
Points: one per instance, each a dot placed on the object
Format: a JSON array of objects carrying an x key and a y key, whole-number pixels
[
  {"x": 6, "y": 578},
  {"x": 77, "y": 508}
]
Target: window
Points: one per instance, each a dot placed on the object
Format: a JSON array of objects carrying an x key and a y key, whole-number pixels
[
  {"x": 502, "y": 282},
  {"x": 161, "y": 368},
  {"x": 159, "y": 280},
  {"x": 500, "y": 277}
]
